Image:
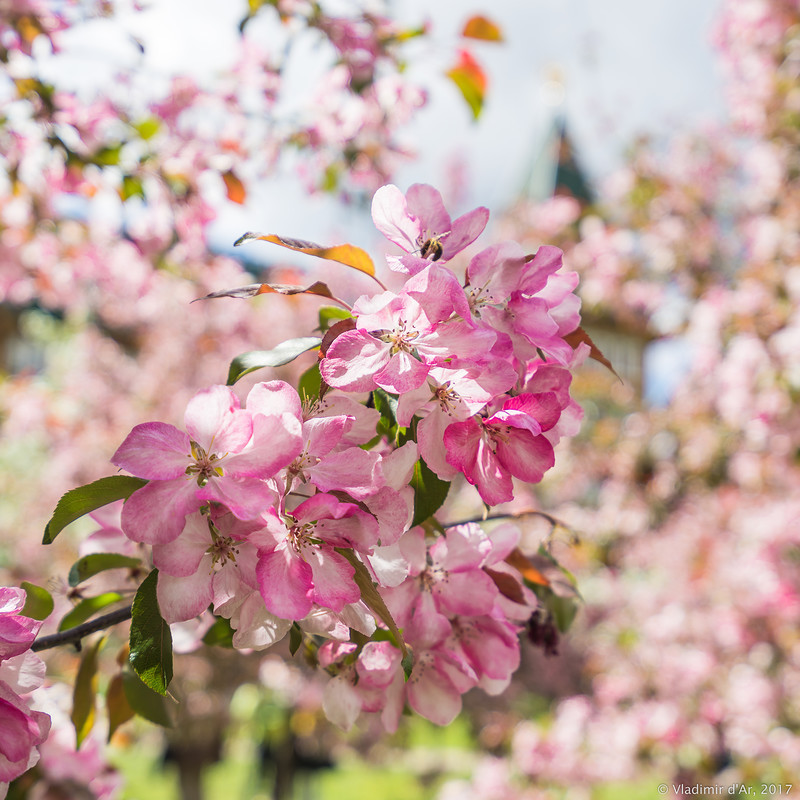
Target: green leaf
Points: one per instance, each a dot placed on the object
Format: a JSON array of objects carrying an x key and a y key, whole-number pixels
[
  {"x": 430, "y": 492},
  {"x": 295, "y": 638},
  {"x": 386, "y": 405},
  {"x": 117, "y": 706},
  {"x": 132, "y": 186},
  {"x": 107, "y": 156},
  {"x": 83, "y": 697},
  {"x": 282, "y": 354},
  {"x": 331, "y": 314},
  {"x": 77, "y": 502},
  {"x": 310, "y": 383},
  {"x": 372, "y": 597},
  {"x": 220, "y": 634},
  {"x": 408, "y": 664},
  {"x": 88, "y": 608},
  {"x": 151, "y": 640},
  {"x": 38, "y": 601},
  {"x": 84, "y": 568},
  {"x": 563, "y": 609},
  {"x": 144, "y": 701},
  {"x": 148, "y": 127}
]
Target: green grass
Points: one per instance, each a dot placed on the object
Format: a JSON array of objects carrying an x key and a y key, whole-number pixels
[{"x": 412, "y": 766}]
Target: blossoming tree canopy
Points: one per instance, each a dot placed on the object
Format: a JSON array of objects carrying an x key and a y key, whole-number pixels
[{"x": 312, "y": 510}]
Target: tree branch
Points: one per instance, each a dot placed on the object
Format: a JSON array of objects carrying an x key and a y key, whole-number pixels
[
  {"x": 74, "y": 635},
  {"x": 554, "y": 523}
]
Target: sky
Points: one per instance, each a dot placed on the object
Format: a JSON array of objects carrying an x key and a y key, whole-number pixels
[{"x": 627, "y": 67}]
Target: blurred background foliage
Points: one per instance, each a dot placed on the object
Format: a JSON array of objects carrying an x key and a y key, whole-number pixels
[{"x": 678, "y": 506}]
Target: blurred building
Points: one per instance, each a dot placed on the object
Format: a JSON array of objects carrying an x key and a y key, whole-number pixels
[{"x": 555, "y": 170}]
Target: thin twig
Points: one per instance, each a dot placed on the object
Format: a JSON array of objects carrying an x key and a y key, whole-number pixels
[
  {"x": 74, "y": 635},
  {"x": 377, "y": 280},
  {"x": 554, "y": 523}
]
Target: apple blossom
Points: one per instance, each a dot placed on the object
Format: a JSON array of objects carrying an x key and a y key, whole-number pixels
[
  {"x": 419, "y": 223},
  {"x": 219, "y": 459},
  {"x": 315, "y": 517},
  {"x": 21, "y": 728}
]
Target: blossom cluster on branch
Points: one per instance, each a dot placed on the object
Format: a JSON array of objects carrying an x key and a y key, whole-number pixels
[
  {"x": 291, "y": 509},
  {"x": 312, "y": 511}
]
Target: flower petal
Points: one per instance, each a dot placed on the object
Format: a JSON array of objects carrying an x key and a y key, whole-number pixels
[
  {"x": 464, "y": 231},
  {"x": 155, "y": 451},
  {"x": 525, "y": 456},
  {"x": 156, "y": 513},
  {"x": 180, "y": 599},
  {"x": 334, "y": 586},
  {"x": 212, "y": 421},
  {"x": 352, "y": 361},
  {"x": 431, "y": 694},
  {"x": 246, "y": 498},
  {"x": 391, "y": 217},
  {"x": 285, "y": 583},
  {"x": 425, "y": 203},
  {"x": 182, "y": 556},
  {"x": 402, "y": 374},
  {"x": 277, "y": 441}
]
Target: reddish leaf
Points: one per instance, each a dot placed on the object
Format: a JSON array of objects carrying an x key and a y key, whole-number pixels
[
  {"x": 346, "y": 254},
  {"x": 335, "y": 330},
  {"x": 480, "y": 27},
  {"x": 253, "y": 289},
  {"x": 117, "y": 705},
  {"x": 83, "y": 697},
  {"x": 234, "y": 187},
  {"x": 470, "y": 78},
  {"x": 517, "y": 559},
  {"x": 579, "y": 336},
  {"x": 508, "y": 586}
]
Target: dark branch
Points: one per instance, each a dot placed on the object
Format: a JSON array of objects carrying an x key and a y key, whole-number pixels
[
  {"x": 554, "y": 523},
  {"x": 74, "y": 635}
]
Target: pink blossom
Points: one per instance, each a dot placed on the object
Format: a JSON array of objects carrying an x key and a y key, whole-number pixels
[
  {"x": 300, "y": 567},
  {"x": 209, "y": 563},
  {"x": 16, "y": 632},
  {"x": 373, "y": 683},
  {"x": 538, "y": 311},
  {"x": 489, "y": 451},
  {"x": 448, "y": 582},
  {"x": 21, "y": 729},
  {"x": 436, "y": 684},
  {"x": 224, "y": 457},
  {"x": 419, "y": 223},
  {"x": 327, "y": 459},
  {"x": 449, "y": 396},
  {"x": 490, "y": 646},
  {"x": 394, "y": 345}
]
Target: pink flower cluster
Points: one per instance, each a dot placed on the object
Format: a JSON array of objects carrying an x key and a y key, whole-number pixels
[
  {"x": 461, "y": 628},
  {"x": 21, "y": 728},
  {"x": 275, "y": 513}
]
